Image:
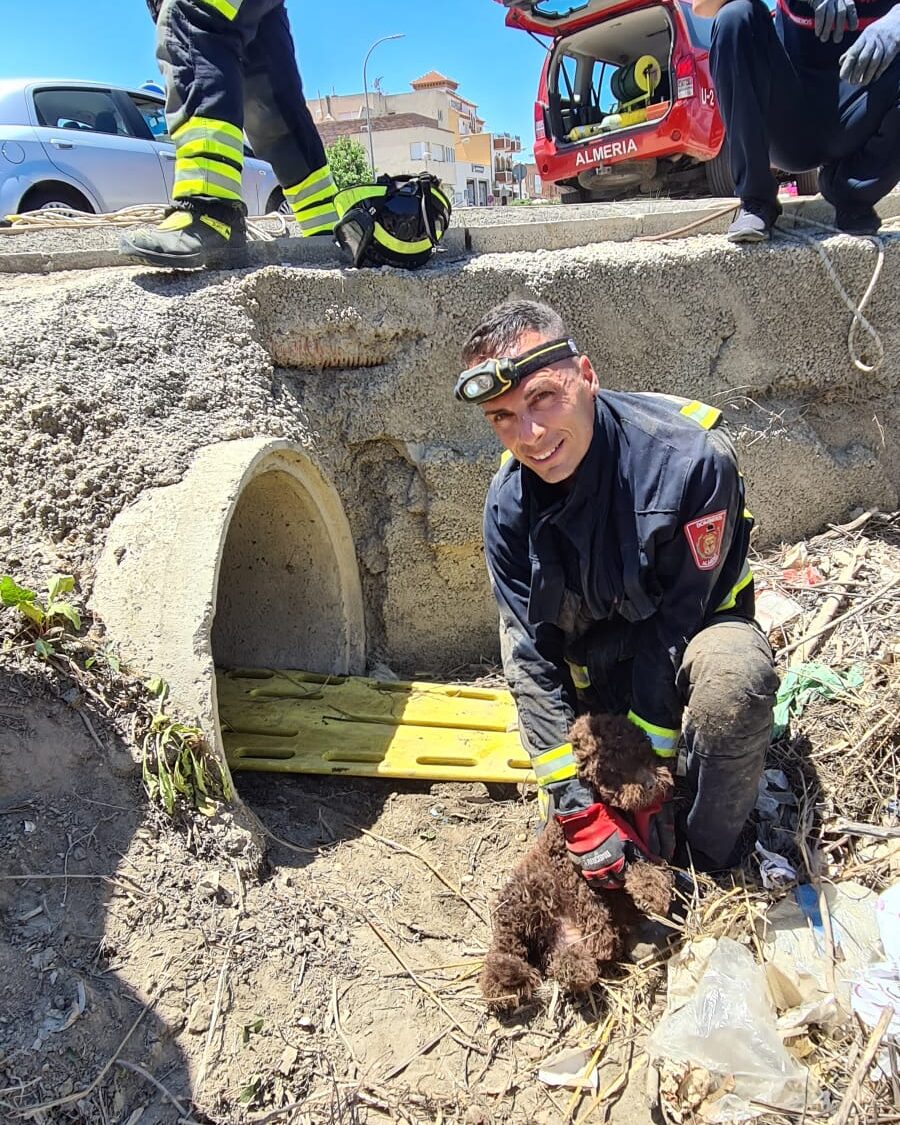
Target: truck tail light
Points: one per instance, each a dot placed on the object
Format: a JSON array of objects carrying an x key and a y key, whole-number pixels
[
  {"x": 538, "y": 121},
  {"x": 685, "y": 77}
]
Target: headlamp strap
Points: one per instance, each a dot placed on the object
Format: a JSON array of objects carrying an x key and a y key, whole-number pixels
[{"x": 541, "y": 356}]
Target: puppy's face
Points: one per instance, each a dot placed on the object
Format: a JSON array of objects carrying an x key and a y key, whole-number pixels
[{"x": 616, "y": 759}]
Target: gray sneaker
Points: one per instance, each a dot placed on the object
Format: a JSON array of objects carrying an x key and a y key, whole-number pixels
[{"x": 749, "y": 226}]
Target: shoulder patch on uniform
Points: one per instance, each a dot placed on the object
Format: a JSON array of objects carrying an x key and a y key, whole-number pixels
[{"x": 704, "y": 535}]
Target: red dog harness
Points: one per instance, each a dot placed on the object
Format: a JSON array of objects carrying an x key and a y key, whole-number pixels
[{"x": 605, "y": 841}]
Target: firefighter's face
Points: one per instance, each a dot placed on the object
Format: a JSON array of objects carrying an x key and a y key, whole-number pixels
[{"x": 547, "y": 421}]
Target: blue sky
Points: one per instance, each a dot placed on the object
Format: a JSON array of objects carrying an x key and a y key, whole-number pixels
[{"x": 112, "y": 41}]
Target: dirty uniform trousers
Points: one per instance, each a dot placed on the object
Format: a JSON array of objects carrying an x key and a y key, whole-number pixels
[
  {"x": 779, "y": 112},
  {"x": 229, "y": 66},
  {"x": 727, "y": 683}
]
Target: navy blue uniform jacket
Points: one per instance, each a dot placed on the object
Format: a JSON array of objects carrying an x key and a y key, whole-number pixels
[{"x": 649, "y": 539}]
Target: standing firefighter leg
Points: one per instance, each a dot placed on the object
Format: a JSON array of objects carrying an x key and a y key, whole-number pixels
[
  {"x": 200, "y": 46},
  {"x": 280, "y": 126}
]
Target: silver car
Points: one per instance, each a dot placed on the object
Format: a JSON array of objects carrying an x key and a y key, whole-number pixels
[{"x": 96, "y": 148}]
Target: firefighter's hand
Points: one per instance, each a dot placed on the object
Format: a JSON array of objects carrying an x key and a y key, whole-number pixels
[
  {"x": 874, "y": 51},
  {"x": 594, "y": 845},
  {"x": 833, "y": 18}
]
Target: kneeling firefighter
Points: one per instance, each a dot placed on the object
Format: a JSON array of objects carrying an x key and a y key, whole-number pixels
[{"x": 229, "y": 67}]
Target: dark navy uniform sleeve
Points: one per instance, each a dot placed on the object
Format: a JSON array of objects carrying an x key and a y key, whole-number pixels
[
  {"x": 692, "y": 569},
  {"x": 533, "y": 655}
]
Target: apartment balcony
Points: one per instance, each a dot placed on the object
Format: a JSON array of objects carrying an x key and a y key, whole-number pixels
[
  {"x": 502, "y": 177},
  {"x": 507, "y": 142}
]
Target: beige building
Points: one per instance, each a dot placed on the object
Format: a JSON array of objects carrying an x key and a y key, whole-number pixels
[
  {"x": 449, "y": 139},
  {"x": 402, "y": 143}
]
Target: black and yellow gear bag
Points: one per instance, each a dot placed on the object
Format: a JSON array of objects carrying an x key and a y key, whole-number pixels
[{"x": 397, "y": 221}]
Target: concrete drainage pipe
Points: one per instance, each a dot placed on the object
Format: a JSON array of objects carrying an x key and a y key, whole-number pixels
[{"x": 247, "y": 561}]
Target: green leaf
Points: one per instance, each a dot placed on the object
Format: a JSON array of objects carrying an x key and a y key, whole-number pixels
[
  {"x": 43, "y": 649},
  {"x": 249, "y": 1092},
  {"x": 65, "y": 610},
  {"x": 157, "y": 686},
  {"x": 13, "y": 594},
  {"x": 60, "y": 584},
  {"x": 32, "y": 612}
]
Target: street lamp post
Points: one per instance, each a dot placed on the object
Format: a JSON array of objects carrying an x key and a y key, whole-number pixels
[{"x": 384, "y": 39}]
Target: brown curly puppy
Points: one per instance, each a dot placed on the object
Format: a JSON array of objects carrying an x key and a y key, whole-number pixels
[{"x": 548, "y": 921}]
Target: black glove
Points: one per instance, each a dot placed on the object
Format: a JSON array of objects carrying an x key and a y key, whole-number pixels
[
  {"x": 833, "y": 18},
  {"x": 874, "y": 51}
]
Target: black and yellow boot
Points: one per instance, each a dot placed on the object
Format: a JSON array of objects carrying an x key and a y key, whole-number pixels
[{"x": 194, "y": 233}]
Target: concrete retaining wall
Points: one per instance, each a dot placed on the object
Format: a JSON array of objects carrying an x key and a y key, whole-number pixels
[{"x": 117, "y": 380}]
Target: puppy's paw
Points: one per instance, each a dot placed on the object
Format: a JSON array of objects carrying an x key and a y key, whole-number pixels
[
  {"x": 507, "y": 981},
  {"x": 650, "y": 886}
]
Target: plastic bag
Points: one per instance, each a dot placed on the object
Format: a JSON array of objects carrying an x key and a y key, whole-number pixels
[
  {"x": 794, "y": 945},
  {"x": 728, "y": 1028},
  {"x": 803, "y": 683},
  {"x": 887, "y": 911}
]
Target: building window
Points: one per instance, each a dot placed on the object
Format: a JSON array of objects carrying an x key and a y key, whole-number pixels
[
  {"x": 451, "y": 155},
  {"x": 418, "y": 150},
  {"x": 437, "y": 152}
]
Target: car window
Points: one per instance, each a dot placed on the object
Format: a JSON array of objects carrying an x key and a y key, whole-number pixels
[
  {"x": 84, "y": 110},
  {"x": 154, "y": 114},
  {"x": 699, "y": 29}
]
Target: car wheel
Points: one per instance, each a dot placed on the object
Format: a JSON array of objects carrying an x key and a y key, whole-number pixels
[
  {"x": 55, "y": 197},
  {"x": 718, "y": 173},
  {"x": 278, "y": 203}
]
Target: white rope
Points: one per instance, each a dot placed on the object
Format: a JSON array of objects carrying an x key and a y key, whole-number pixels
[
  {"x": 858, "y": 321},
  {"x": 66, "y": 218}
]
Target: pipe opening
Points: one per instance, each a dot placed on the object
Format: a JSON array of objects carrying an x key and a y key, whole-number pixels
[{"x": 282, "y": 601}]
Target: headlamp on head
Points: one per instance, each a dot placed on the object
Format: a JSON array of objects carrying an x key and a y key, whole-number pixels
[{"x": 493, "y": 377}]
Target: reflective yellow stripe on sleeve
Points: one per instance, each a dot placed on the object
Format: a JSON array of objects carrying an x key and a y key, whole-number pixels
[
  {"x": 705, "y": 416},
  {"x": 663, "y": 739},
  {"x": 553, "y": 765},
  {"x": 744, "y": 580},
  {"x": 580, "y": 676},
  {"x": 226, "y": 8}
]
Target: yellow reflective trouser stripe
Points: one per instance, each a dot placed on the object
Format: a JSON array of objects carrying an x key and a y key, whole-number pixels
[
  {"x": 312, "y": 220},
  {"x": 663, "y": 739},
  {"x": 227, "y": 8},
  {"x": 199, "y": 176},
  {"x": 315, "y": 185},
  {"x": 557, "y": 764},
  {"x": 206, "y": 146},
  {"x": 211, "y": 128},
  {"x": 703, "y": 415},
  {"x": 746, "y": 577}
]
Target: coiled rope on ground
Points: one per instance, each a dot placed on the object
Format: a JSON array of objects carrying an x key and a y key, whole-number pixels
[{"x": 67, "y": 218}]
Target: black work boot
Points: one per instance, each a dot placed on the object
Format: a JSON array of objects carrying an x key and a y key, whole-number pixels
[{"x": 195, "y": 232}]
